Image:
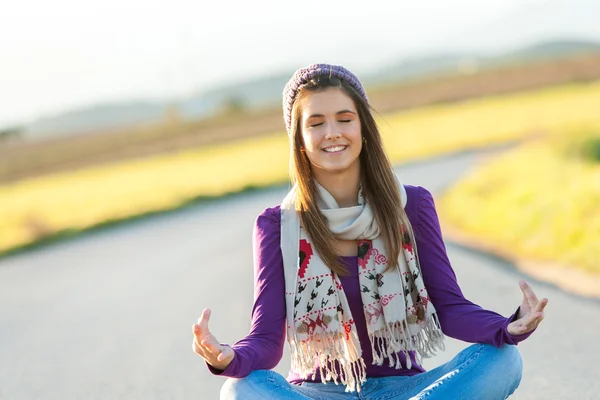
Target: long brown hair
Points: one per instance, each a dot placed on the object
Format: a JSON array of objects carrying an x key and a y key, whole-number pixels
[{"x": 379, "y": 185}]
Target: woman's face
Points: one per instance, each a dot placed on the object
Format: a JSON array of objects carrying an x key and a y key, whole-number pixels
[{"x": 331, "y": 132}]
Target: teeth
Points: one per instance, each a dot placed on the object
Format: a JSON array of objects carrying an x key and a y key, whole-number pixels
[{"x": 334, "y": 149}]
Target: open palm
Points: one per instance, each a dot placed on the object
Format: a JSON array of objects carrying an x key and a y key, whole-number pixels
[
  {"x": 207, "y": 346},
  {"x": 531, "y": 312}
]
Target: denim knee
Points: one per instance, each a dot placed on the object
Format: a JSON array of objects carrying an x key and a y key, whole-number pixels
[
  {"x": 234, "y": 388},
  {"x": 509, "y": 359}
]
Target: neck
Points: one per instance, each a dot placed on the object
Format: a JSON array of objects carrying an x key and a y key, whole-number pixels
[{"x": 342, "y": 186}]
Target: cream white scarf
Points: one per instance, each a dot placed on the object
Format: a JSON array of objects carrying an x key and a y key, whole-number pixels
[{"x": 320, "y": 327}]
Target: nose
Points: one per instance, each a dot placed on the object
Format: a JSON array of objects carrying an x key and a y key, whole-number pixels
[{"x": 332, "y": 132}]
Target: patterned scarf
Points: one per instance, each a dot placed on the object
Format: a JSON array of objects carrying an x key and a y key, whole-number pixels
[{"x": 320, "y": 327}]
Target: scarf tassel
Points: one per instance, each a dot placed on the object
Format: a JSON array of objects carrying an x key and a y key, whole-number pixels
[
  {"x": 352, "y": 368},
  {"x": 390, "y": 342}
]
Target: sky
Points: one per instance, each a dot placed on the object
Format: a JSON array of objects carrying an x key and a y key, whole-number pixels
[{"x": 63, "y": 54}]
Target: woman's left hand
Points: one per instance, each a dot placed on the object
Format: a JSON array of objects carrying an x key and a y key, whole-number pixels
[{"x": 530, "y": 314}]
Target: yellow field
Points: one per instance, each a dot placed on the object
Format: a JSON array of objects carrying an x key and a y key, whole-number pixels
[
  {"x": 437, "y": 129},
  {"x": 33, "y": 209},
  {"x": 534, "y": 202}
]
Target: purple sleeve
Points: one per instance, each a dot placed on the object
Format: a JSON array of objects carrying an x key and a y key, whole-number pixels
[
  {"x": 262, "y": 348},
  {"x": 459, "y": 318}
]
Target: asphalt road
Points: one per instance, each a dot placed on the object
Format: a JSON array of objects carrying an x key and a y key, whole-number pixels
[{"x": 108, "y": 315}]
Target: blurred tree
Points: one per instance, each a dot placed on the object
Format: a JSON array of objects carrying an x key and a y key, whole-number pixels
[
  {"x": 10, "y": 133},
  {"x": 233, "y": 105},
  {"x": 584, "y": 146},
  {"x": 591, "y": 149}
]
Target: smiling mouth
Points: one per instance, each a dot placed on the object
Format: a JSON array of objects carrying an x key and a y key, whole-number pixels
[{"x": 334, "y": 149}]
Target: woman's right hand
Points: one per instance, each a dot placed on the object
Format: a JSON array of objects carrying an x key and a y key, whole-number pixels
[{"x": 207, "y": 346}]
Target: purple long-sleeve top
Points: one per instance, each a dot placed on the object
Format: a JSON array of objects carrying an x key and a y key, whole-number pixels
[{"x": 459, "y": 318}]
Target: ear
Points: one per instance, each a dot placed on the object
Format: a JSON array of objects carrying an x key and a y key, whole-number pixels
[{"x": 300, "y": 140}]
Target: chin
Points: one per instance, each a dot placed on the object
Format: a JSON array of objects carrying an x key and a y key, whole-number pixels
[{"x": 336, "y": 169}]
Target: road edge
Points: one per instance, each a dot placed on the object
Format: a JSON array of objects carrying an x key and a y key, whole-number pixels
[{"x": 567, "y": 278}]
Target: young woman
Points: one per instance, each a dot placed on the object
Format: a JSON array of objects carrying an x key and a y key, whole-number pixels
[{"x": 352, "y": 269}]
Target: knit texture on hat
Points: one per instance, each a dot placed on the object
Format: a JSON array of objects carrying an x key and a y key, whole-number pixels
[{"x": 303, "y": 75}]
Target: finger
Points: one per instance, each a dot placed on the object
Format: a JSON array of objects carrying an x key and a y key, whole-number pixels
[
  {"x": 199, "y": 350},
  {"x": 517, "y": 328},
  {"x": 199, "y": 333},
  {"x": 212, "y": 346},
  {"x": 199, "y": 337},
  {"x": 532, "y": 321},
  {"x": 528, "y": 293},
  {"x": 541, "y": 305},
  {"x": 225, "y": 353},
  {"x": 525, "y": 308},
  {"x": 205, "y": 353},
  {"x": 203, "y": 320}
]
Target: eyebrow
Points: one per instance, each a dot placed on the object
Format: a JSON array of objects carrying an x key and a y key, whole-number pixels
[{"x": 337, "y": 113}]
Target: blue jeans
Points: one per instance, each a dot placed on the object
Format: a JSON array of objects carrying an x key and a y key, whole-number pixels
[{"x": 480, "y": 372}]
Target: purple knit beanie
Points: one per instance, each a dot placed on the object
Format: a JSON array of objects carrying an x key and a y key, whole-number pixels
[{"x": 303, "y": 75}]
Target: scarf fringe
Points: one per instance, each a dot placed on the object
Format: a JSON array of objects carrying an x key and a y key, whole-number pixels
[
  {"x": 390, "y": 341},
  {"x": 327, "y": 351},
  {"x": 385, "y": 343}
]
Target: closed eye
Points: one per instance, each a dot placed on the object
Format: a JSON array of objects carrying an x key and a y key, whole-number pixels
[
  {"x": 345, "y": 120},
  {"x": 317, "y": 124}
]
